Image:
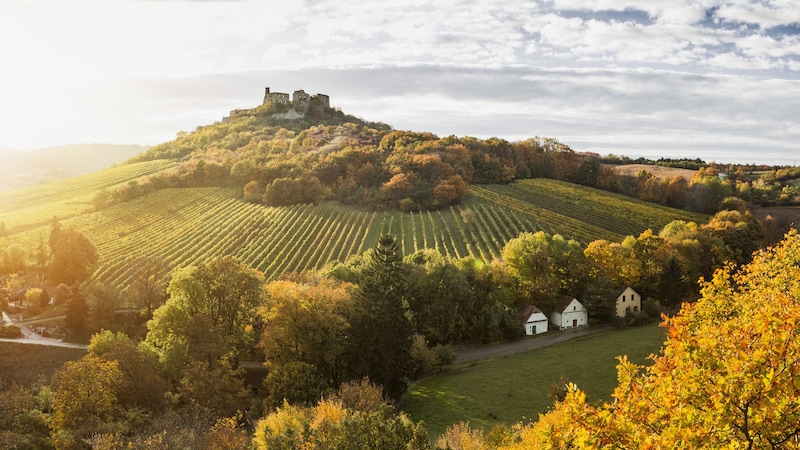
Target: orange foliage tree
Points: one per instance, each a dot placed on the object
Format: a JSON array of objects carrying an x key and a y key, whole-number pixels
[{"x": 728, "y": 375}]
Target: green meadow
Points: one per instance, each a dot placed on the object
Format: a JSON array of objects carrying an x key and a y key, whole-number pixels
[{"x": 514, "y": 388}]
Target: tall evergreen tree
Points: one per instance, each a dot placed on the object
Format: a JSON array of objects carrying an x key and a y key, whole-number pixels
[{"x": 380, "y": 330}]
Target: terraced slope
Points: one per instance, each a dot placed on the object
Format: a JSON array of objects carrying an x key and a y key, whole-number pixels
[{"x": 188, "y": 225}]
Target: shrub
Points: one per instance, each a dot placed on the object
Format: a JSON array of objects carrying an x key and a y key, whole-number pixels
[{"x": 10, "y": 331}]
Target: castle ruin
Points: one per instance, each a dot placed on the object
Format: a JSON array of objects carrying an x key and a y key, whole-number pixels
[
  {"x": 300, "y": 99},
  {"x": 299, "y": 103}
]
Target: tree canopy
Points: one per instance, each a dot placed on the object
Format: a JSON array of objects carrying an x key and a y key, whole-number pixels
[{"x": 726, "y": 377}]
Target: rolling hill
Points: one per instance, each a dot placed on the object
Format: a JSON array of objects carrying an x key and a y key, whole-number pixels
[
  {"x": 184, "y": 226},
  {"x": 20, "y": 169}
]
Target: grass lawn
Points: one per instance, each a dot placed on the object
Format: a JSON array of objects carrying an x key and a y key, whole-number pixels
[{"x": 514, "y": 388}]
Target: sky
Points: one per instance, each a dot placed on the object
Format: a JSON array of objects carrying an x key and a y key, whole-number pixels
[{"x": 712, "y": 79}]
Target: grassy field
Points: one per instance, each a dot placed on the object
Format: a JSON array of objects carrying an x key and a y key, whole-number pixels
[
  {"x": 26, "y": 363},
  {"x": 514, "y": 388},
  {"x": 189, "y": 225}
]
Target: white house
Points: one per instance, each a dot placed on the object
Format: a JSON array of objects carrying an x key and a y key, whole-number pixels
[
  {"x": 569, "y": 313},
  {"x": 628, "y": 300},
  {"x": 534, "y": 320}
]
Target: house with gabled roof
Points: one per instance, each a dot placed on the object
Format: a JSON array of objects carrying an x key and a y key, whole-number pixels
[
  {"x": 534, "y": 320},
  {"x": 569, "y": 313},
  {"x": 627, "y": 301}
]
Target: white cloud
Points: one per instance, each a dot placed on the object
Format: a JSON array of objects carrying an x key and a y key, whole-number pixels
[{"x": 667, "y": 74}]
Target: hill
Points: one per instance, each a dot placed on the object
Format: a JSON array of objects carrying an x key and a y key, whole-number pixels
[
  {"x": 21, "y": 169},
  {"x": 183, "y": 226},
  {"x": 296, "y": 195}
]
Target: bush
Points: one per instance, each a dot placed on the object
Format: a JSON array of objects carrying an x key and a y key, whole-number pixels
[{"x": 10, "y": 331}]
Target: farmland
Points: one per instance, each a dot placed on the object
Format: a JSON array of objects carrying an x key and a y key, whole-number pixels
[{"x": 184, "y": 226}]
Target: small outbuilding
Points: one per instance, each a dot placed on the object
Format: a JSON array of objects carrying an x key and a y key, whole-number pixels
[
  {"x": 628, "y": 301},
  {"x": 534, "y": 320},
  {"x": 569, "y": 313}
]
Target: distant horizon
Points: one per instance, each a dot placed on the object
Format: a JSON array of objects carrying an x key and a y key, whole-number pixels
[{"x": 653, "y": 155}]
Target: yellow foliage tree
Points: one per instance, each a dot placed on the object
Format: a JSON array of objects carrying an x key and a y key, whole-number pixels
[{"x": 727, "y": 377}]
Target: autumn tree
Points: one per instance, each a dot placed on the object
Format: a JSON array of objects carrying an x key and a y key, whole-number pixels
[
  {"x": 725, "y": 378},
  {"x": 209, "y": 315},
  {"x": 613, "y": 261},
  {"x": 13, "y": 259},
  {"x": 303, "y": 339},
  {"x": 23, "y": 419},
  {"x": 224, "y": 290},
  {"x": 103, "y": 301},
  {"x": 85, "y": 399},
  {"x": 72, "y": 255},
  {"x": 341, "y": 421},
  {"x": 139, "y": 368},
  {"x": 546, "y": 265}
]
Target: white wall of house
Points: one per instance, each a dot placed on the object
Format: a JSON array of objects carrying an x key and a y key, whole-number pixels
[
  {"x": 536, "y": 324},
  {"x": 628, "y": 301},
  {"x": 574, "y": 315}
]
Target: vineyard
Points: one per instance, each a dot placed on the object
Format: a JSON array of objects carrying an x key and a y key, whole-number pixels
[
  {"x": 186, "y": 226},
  {"x": 37, "y": 205}
]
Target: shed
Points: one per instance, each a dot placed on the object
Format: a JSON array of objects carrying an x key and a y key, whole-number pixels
[
  {"x": 534, "y": 320},
  {"x": 569, "y": 313}
]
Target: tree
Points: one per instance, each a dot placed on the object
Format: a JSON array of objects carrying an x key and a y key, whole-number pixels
[
  {"x": 14, "y": 259},
  {"x": 528, "y": 260},
  {"x": 76, "y": 311},
  {"x": 380, "y": 333},
  {"x": 227, "y": 292},
  {"x": 614, "y": 261},
  {"x": 440, "y": 300},
  {"x": 139, "y": 367},
  {"x": 726, "y": 377},
  {"x": 23, "y": 423},
  {"x": 546, "y": 265},
  {"x": 72, "y": 256},
  {"x": 741, "y": 232},
  {"x": 306, "y": 324},
  {"x": 149, "y": 283},
  {"x": 103, "y": 301},
  {"x": 37, "y": 297},
  {"x": 85, "y": 398},
  {"x": 329, "y": 424}
]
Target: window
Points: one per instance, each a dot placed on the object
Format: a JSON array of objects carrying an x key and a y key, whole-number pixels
[
  {"x": 635, "y": 308},
  {"x": 574, "y": 308},
  {"x": 623, "y": 299}
]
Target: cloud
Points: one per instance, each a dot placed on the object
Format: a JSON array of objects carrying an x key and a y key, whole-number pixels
[{"x": 665, "y": 74}]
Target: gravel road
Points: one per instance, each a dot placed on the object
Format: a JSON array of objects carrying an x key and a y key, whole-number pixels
[{"x": 493, "y": 351}]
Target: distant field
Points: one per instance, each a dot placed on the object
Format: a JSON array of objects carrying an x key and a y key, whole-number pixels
[
  {"x": 188, "y": 225},
  {"x": 514, "y": 388},
  {"x": 633, "y": 170}
]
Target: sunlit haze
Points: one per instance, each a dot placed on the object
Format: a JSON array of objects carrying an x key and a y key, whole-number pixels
[{"x": 713, "y": 79}]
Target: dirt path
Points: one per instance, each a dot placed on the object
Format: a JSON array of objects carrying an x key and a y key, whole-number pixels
[{"x": 494, "y": 351}]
